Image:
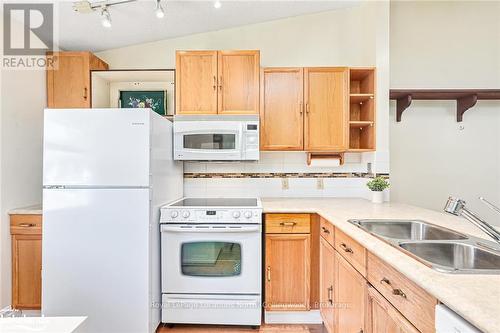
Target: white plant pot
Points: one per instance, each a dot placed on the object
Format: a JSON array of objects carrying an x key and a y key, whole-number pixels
[{"x": 378, "y": 196}]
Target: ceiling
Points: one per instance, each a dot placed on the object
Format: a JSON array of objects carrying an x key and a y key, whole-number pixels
[{"x": 135, "y": 23}]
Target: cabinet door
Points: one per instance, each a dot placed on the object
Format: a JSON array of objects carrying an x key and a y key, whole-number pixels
[
  {"x": 326, "y": 99},
  {"x": 68, "y": 82},
  {"x": 196, "y": 82},
  {"x": 281, "y": 110},
  {"x": 383, "y": 317},
  {"x": 287, "y": 272},
  {"x": 350, "y": 297},
  {"x": 238, "y": 82},
  {"x": 26, "y": 271},
  {"x": 327, "y": 260}
]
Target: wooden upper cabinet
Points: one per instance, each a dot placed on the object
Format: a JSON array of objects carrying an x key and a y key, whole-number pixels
[
  {"x": 211, "y": 82},
  {"x": 326, "y": 294},
  {"x": 238, "y": 82},
  {"x": 281, "y": 109},
  {"x": 287, "y": 272},
  {"x": 68, "y": 80},
  {"x": 350, "y": 297},
  {"x": 326, "y": 97},
  {"x": 382, "y": 317},
  {"x": 196, "y": 82}
]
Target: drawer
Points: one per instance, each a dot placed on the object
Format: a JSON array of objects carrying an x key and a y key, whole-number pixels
[
  {"x": 288, "y": 223},
  {"x": 412, "y": 301},
  {"x": 351, "y": 250},
  {"x": 327, "y": 231},
  {"x": 26, "y": 224}
]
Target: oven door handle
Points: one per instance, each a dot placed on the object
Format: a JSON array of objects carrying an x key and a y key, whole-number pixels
[{"x": 239, "y": 229}]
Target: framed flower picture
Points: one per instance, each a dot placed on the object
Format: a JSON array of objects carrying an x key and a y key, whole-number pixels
[{"x": 155, "y": 100}]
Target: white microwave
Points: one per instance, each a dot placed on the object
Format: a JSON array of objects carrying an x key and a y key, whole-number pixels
[{"x": 216, "y": 138}]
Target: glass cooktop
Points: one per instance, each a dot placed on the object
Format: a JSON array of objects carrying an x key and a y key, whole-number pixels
[{"x": 216, "y": 202}]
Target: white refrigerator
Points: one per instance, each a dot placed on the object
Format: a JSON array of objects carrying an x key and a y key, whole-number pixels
[{"x": 106, "y": 172}]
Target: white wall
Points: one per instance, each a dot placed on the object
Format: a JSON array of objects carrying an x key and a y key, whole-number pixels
[
  {"x": 21, "y": 125},
  {"x": 445, "y": 45},
  {"x": 356, "y": 36}
]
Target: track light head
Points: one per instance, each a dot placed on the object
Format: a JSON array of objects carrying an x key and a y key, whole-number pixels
[
  {"x": 159, "y": 12},
  {"x": 105, "y": 17}
]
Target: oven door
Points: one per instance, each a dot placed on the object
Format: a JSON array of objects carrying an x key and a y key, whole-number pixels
[
  {"x": 211, "y": 259},
  {"x": 208, "y": 140}
]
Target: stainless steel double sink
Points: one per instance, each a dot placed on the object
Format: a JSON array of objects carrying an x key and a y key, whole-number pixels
[{"x": 443, "y": 249}]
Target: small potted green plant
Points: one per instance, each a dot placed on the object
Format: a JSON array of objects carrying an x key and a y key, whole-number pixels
[{"x": 377, "y": 185}]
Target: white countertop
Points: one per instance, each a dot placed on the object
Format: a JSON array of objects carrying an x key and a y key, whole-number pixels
[
  {"x": 28, "y": 210},
  {"x": 41, "y": 324},
  {"x": 475, "y": 297}
]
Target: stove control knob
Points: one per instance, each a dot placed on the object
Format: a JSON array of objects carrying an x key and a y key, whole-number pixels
[
  {"x": 248, "y": 214},
  {"x": 174, "y": 214},
  {"x": 236, "y": 214},
  {"x": 185, "y": 214}
]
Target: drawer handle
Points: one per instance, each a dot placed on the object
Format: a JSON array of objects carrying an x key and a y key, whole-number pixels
[
  {"x": 346, "y": 248},
  {"x": 330, "y": 295},
  {"x": 325, "y": 230},
  {"x": 268, "y": 273},
  {"x": 288, "y": 224},
  {"x": 395, "y": 291},
  {"x": 27, "y": 225},
  {"x": 398, "y": 292}
]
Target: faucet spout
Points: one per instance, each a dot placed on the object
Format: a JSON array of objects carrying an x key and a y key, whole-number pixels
[{"x": 457, "y": 207}]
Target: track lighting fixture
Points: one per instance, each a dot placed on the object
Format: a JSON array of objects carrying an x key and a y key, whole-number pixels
[{"x": 160, "y": 13}]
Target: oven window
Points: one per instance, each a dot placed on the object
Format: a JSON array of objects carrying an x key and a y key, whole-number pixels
[
  {"x": 211, "y": 259},
  {"x": 210, "y": 141}
]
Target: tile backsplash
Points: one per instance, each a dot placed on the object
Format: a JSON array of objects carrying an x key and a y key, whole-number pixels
[{"x": 278, "y": 174}]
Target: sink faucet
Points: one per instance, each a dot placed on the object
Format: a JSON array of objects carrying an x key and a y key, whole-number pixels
[{"x": 457, "y": 207}]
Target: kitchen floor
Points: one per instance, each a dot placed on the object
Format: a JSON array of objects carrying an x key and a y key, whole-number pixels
[{"x": 243, "y": 329}]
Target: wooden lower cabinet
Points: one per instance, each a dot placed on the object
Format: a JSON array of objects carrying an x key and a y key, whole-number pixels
[
  {"x": 350, "y": 297},
  {"x": 287, "y": 272},
  {"x": 382, "y": 317},
  {"x": 326, "y": 284},
  {"x": 26, "y": 237}
]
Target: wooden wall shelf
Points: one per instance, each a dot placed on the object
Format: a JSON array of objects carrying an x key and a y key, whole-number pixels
[{"x": 466, "y": 98}]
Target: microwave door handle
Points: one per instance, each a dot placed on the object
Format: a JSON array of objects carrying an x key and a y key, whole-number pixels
[{"x": 241, "y": 229}]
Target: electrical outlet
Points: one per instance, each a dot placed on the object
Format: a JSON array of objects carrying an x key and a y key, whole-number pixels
[
  {"x": 320, "y": 185},
  {"x": 284, "y": 184}
]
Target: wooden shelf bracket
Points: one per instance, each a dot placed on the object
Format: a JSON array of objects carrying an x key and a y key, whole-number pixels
[
  {"x": 464, "y": 104},
  {"x": 401, "y": 105}
]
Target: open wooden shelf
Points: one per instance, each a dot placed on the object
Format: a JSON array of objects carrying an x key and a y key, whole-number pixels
[
  {"x": 362, "y": 80},
  {"x": 360, "y": 123},
  {"x": 360, "y": 98},
  {"x": 362, "y": 109},
  {"x": 466, "y": 98}
]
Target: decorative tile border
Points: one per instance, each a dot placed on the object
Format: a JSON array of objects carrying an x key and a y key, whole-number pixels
[{"x": 286, "y": 175}]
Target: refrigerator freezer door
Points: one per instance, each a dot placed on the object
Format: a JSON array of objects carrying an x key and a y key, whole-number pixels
[
  {"x": 96, "y": 148},
  {"x": 95, "y": 257}
]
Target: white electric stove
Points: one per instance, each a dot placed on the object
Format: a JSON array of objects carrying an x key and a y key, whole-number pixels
[{"x": 211, "y": 261}]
